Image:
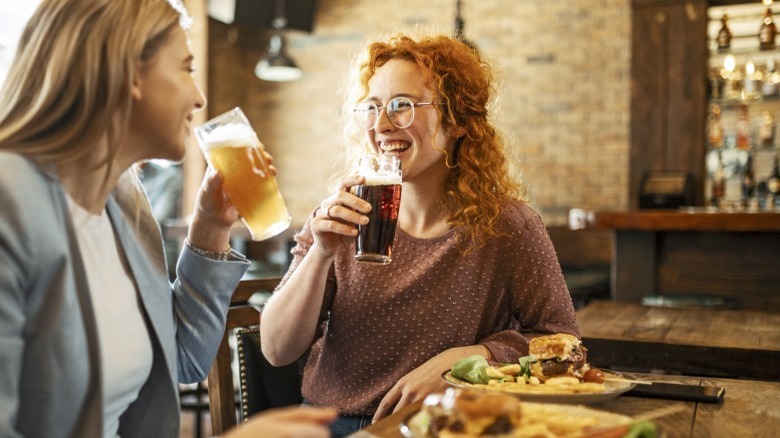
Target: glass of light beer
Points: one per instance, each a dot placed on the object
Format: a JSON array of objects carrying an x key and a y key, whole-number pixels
[
  {"x": 231, "y": 146},
  {"x": 382, "y": 189}
]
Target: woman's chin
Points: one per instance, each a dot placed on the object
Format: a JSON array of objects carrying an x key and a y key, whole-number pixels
[{"x": 175, "y": 155}]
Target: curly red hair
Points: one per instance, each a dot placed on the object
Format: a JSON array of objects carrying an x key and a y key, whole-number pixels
[{"x": 478, "y": 185}]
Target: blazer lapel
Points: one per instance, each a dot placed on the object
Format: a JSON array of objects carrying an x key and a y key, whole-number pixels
[{"x": 147, "y": 266}]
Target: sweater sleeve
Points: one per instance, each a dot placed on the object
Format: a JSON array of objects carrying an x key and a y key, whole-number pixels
[
  {"x": 540, "y": 302},
  {"x": 303, "y": 242}
]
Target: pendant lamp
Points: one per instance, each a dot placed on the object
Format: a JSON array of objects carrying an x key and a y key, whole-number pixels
[
  {"x": 276, "y": 65},
  {"x": 460, "y": 26}
]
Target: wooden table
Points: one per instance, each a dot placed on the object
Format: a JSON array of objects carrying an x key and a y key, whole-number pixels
[
  {"x": 723, "y": 343},
  {"x": 749, "y": 409}
]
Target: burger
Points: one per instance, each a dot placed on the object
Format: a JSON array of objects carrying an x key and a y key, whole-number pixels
[
  {"x": 466, "y": 413},
  {"x": 558, "y": 355}
]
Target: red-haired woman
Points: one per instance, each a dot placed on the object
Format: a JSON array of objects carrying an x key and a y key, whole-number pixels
[{"x": 473, "y": 270}]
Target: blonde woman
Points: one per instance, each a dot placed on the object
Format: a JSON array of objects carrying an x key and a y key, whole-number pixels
[
  {"x": 93, "y": 337},
  {"x": 473, "y": 270}
]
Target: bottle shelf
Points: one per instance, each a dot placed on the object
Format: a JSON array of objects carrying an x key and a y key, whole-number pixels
[
  {"x": 743, "y": 72},
  {"x": 744, "y": 54},
  {"x": 733, "y": 103},
  {"x": 742, "y": 28}
]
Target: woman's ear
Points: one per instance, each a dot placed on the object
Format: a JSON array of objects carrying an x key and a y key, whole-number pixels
[{"x": 135, "y": 88}]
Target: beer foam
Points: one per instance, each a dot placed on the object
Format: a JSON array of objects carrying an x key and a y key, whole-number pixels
[
  {"x": 231, "y": 134},
  {"x": 383, "y": 179}
]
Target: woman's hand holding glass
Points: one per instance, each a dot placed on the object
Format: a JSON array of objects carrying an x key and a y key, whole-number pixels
[
  {"x": 334, "y": 225},
  {"x": 214, "y": 213}
]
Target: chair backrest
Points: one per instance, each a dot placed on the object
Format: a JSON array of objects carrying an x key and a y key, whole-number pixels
[
  {"x": 244, "y": 318},
  {"x": 261, "y": 385}
]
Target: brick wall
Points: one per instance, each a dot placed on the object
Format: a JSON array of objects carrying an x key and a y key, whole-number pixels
[{"x": 564, "y": 71}]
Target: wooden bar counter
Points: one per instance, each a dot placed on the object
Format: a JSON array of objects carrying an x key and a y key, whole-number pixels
[{"x": 694, "y": 252}]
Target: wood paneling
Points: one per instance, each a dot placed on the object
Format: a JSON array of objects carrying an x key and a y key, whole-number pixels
[
  {"x": 742, "y": 266},
  {"x": 649, "y": 95},
  {"x": 582, "y": 248},
  {"x": 668, "y": 91},
  {"x": 634, "y": 267},
  {"x": 687, "y": 76}
]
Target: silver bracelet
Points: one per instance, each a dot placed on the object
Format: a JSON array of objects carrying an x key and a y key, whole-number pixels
[{"x": 213, "y": 255}]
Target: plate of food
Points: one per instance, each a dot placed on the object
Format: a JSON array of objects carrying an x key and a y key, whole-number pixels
[
  {"x": 466, "y": 413},
  {"x": 555, "y": 371}
]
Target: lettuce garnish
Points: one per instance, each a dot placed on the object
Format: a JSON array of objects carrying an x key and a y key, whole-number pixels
[
  {"x": 525, "y": 365},
  {"x": 472, "y": 369}
]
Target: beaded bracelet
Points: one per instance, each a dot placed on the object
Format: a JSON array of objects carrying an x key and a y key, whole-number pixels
[{"x": 208, "y": 254}]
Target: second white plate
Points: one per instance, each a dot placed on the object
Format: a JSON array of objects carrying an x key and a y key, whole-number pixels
[{"x": 612, "y": 389}]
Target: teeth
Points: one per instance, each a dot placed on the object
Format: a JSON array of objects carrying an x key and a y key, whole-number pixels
[{"x": 394, "y": 146}]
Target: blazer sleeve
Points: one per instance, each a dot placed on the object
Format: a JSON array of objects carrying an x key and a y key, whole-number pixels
[{"x": 202, "y": 292}]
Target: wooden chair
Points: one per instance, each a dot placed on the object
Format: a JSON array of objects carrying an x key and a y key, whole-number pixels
[{"x": 261, "y": 385}]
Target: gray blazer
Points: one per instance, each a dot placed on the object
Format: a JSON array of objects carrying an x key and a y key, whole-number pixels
[{"x": 49, "y": 358}]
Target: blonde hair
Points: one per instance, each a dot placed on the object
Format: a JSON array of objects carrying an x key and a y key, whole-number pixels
[
  {"x": 478, "y": 185},
  {"x": 71, "y": 78}
]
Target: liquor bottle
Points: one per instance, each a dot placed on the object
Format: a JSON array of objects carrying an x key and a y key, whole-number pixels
[
  {"x": 732, "y": 80},
  {"x": 715, "y": 128},
  {"x": 769, "y": 88},
  {"x": 724, "y": 34},
  {"x": 718, "y": 184},
  {"x": 743, "y": 128},
  {"x": 767, "y": 32},
  {"x": 753, "y": 79},
  {"x": 773, "y": 186},
  {"x": 748, "y": 182},
  {"x": 761, "y": 195},
  {"x": 766, "y": 130},
  {"x": 715, "y": 81}
]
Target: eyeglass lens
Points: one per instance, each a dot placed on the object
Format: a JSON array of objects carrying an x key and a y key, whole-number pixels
[{"x": 400, "y": 111}]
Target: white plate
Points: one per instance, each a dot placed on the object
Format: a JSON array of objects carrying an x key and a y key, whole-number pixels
[{"x": 612, "y": 390}]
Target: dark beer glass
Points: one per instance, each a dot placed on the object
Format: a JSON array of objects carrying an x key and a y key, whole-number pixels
[{"x": 374, "y": 242}]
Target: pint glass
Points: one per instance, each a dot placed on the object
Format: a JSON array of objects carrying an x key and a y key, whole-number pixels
[
  {"x": 232, "y": 147},
  {"x": 382, "y": 189}
]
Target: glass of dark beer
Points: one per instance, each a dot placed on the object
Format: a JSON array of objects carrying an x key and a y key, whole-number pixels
[{"x": 382, "y": 189}]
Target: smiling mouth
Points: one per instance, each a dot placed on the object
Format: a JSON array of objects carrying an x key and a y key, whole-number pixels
[{"x": 394, "y": 147}]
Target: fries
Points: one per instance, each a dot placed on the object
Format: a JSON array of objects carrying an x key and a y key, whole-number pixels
[
  {"x": 541, "y": 388},
  {"x": 510, "y": 370},
  {"x": 564, "y": 421},
  {"x": 508, "y": 379}
]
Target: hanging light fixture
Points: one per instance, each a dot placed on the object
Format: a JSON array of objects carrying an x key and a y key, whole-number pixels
[{"x": 276, "y": 65}]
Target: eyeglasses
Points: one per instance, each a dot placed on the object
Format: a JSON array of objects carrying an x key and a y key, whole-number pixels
[{"x": 400, "y": 111}]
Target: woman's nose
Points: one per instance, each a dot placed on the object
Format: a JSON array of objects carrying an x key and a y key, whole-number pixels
[{"x": 383, "y": 122}]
